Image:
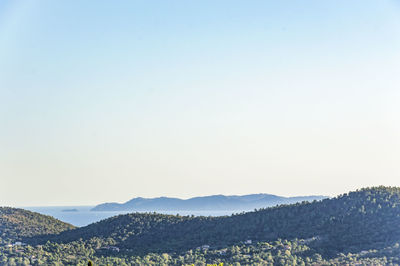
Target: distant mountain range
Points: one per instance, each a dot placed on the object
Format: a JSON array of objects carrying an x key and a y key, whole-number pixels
[{"x": 211, "y": 203}]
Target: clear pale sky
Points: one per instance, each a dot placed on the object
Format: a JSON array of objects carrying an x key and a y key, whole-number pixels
[{"x": 109, "y": 100}]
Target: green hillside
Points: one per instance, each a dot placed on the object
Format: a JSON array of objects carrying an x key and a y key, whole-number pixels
[
  {"x": 365, "y": 219},
  {"x": 16, "y": 224}
]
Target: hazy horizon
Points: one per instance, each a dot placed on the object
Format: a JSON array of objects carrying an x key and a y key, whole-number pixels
[
  {"x": 186, "y": 198},
  {"x": 105, "y": 101}
]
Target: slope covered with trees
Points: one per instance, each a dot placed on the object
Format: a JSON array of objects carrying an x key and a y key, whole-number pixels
[
  {"x": 361, "y": 220},
  {"x": 16, "y": 224}
]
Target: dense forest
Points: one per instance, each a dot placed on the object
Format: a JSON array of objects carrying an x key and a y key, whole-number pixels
[
  {"x": 279, "y": 252},
  {"x": 361, "y": 226}
]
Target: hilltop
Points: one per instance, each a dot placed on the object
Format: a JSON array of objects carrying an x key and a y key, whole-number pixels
[
  {"x": 214, "y": 202},
  {"x": 16, "y": 224},
  {"x": 360, "y": 220}
]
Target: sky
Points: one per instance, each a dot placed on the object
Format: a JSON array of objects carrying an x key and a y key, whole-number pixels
[{"x": 110, "y": 100}]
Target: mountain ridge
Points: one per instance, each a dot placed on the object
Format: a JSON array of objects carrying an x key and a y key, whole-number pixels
[{"x": 212, "y": 202}]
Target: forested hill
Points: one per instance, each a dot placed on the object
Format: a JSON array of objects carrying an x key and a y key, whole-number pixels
[
  {"x": 16, "y": 224},
  {"x": 215, "y": 202},
  {"x": 361, "y": 220}
]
